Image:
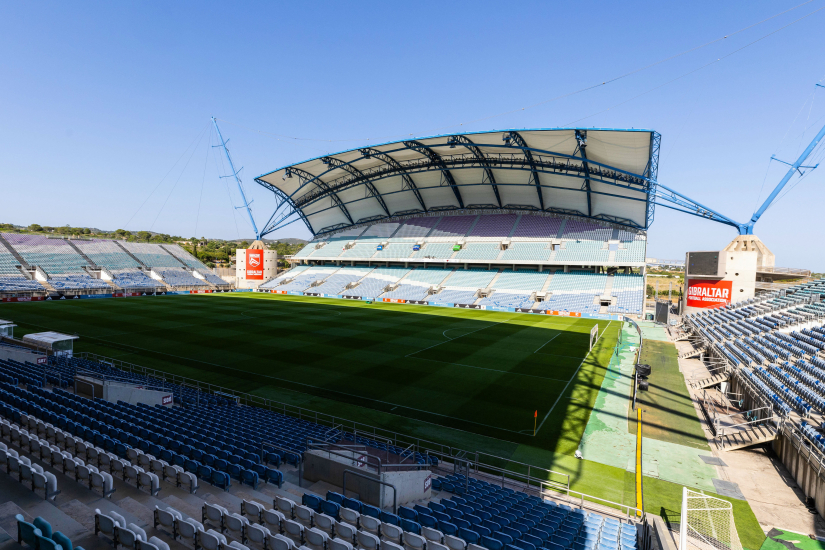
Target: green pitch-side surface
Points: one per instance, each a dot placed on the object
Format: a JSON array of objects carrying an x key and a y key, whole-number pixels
[{"x": 467, "y": 378}]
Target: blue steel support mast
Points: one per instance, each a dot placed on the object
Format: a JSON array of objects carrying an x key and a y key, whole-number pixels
[{"x": 237, "y": 180}]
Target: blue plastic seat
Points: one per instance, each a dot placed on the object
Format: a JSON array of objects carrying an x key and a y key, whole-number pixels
[
  {"x": 44, "y": 526},
  {"x": 407, "y": 513},
  {"x": 26, "y": 532},
  {"x": 392, "y": 519},
  {"x": 204, "y": 472},
  {"x": 469, "y": 536},
  {"x": 410, "y": 526},
  {"x": 352, "y": 504},
  {"x": 221, "y": 480},
  {"x": 234, "y": 471},
  {"x": 504, "y": 538},
  {"x": 372, "y": 511},
  {"x": 428, "y": 521},
  {"x": 447, "y": 528},
  {"x": 312, "y": 501},
  {"x": 332, "y": 509},
  {"x": 491, "y": 544},
  {"x": 61, "y": 539},
  {"x": 335, "y": 497}
]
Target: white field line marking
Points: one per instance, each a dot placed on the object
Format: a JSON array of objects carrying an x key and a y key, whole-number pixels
[
  {"x": 457, "y": 337},
  {"x": 485, "y": 368},
  {"x": 568, "y": 382},
  {"x": 547, "y": 342},
  {"x": 324, "y": 389}
]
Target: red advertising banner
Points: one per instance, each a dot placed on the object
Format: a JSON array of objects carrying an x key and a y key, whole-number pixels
[
  {"x": 166, "y": 400},
  {"x": 706, "y": 293},
  {"x": 564, "y": 313},
  {"x": 395, "y": 300},
  {"x": 126, "y": 294},
  {"x": 42, "y": 360},
  {"x": 25, "y": 299},
  {"x": 278, "y": 291},
  {"x": 200, "y": 292},
  {"x": 254, "y": 264}
]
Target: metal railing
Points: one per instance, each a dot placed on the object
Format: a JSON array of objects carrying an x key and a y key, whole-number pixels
[{"x": 505, "y": 471}]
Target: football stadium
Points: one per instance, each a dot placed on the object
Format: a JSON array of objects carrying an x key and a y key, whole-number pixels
[{"x": 467, "y": 353}]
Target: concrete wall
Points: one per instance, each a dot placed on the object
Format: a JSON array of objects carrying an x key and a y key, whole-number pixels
[
  {"x": 737, "y": 266},
  {"x": 804, "y": 467},
  {"x": 410, "y": 485},
  {"x": 129, "y": 393},
  {"x": 23, "y": 356},
  {"x": 270, "y": 269}
]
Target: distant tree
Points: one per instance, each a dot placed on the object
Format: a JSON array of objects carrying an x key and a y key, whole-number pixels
[
  {"x": 35, "y": 227},
  {"x": 144, "y": 235}
]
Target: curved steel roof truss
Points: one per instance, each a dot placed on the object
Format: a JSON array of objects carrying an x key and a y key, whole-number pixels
[{"x": 374, "y": 164}]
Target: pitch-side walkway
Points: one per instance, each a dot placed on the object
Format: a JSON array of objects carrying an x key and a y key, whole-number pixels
[{"x": 607, "y": 441}]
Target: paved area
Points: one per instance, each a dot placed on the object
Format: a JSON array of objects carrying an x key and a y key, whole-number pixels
[{"x": 607, "y": 441}]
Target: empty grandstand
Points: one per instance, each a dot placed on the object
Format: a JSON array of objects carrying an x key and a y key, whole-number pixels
[
  {"x": 39, "y": 265},
  {"x": 552, "y": 202}
]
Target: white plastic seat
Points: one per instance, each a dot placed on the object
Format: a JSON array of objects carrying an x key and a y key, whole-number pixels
[
  {"x": 432, "y": 535},
  {"x": 105, "y": 524},
  {"x": 346, "y": 531},
  {"x": 304, "y": 515},
  {"x": 188, "y": 481},
  {"x": 280, "y": 542},
  {"x": 157, "y": 466},
  {"x": 389, "y": 545},
  {"x": 34, "y": 446},
  {"x": 339, "y": 544},
  {"x": 256, "y": 534},
  {"x": 294, "y": 530},
  {"x": 149, "y": 482},
  {"x": 286, "y": 506},
  {"x": 103, "y": 482},
  {"x": 391, "y": 533},
  {"x": 80, "y": 448},
  {"x": 315, "y": 538},
  {"x": 130, "y": 474},
  {"x": 51, "y": 431},
  {"x": 349, "y": 516},
  {"x": 93, "y": 455},
  {"x": 13, "y": 464},
  {"x": 188, "y": 530},
  {"x": 170, "y": 472},
  {"x": 325, "y": 523},
  {"x": 132, "y": 454},
  {"x": 472, "y": 546},
  {"x": 367, "y": 541},
  {"x": 236, "y": 545},
  {"x": 145, "y": 461},
  {"x": 414, "y": 542},
  {"x": 46, "y": 454},
  {"x": 26, "y": 473},
  {"x": 214, "y": 513},
  {"x": 166, "y": 517},
  {"x": 274, "y": 519},
  {"x": 24, "y": 441},
  {"x": 454, "y": 543},
  {"x": 57, "y": 458},
  {"x": 432, "y": 545},
  {"x": 252, "y": 510},
  {"x": 118, "y": 467},
  {"x": 210, "y": 540},
  {"x": 84, "y": 475},
  {"x": 60, "y": 438},
  {"x": 48, "y": 482},
  {"x": 234, "y": 525},
  {"x": 370, "y": 524}
]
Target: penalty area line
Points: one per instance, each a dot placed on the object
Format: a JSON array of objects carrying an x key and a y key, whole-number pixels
[{"x": 568, "y": 382}]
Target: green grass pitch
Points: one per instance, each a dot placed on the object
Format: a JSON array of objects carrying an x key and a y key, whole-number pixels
[
  {"x": 466, "y": 378},
  {"x": 477, "y": 371}
]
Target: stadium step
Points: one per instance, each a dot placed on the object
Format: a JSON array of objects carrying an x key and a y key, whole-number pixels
[
  {"x": 695, "y": 352},
  {"x": 708, "y": 382},
  {"x": 135, "y": 258},
  {"x": 84, "y": 256},
  {"x": 13, "y": 252},
  {"x": 608, "y": 287},
  {"x": 182, "y": 263},
  {"x": 747, "y": 438}
]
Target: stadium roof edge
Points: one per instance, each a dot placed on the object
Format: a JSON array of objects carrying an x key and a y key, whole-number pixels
[{"x": 603, "y": 173}]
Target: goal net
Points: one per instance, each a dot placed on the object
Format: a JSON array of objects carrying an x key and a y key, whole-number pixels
[
  {"x": 594, "y": 335},
  {"x": 707, "y": 523}
]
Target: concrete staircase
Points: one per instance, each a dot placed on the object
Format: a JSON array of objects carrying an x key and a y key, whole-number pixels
[
  {"x": 746, "y": 438},
  {"x": 135, "y": 258},
  {"x": 13, "y": 252},
  {"x": 608, "y": 287},
  {"x": 694, "y": 352},
  {"x": 84, "y": 256},
  {"x": 708, "y": 382}
]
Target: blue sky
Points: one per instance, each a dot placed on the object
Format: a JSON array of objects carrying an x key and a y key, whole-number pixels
[{"x": 105, "y": 105}]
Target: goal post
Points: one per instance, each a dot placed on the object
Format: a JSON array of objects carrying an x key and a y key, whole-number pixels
[
  {"x": 594, "y": 336},
  {"x": 707, "y": 523}
]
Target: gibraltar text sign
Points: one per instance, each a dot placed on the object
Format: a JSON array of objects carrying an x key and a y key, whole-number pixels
[
  {"x": 708, "y": 293},
  {"x": 255, "y": 264}
]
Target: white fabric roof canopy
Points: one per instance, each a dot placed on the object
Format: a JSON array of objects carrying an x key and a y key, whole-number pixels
[{"x": 600, "y": 173}]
